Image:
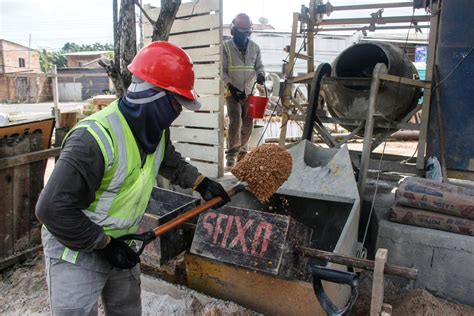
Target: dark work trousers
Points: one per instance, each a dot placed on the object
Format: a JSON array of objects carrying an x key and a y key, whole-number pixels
[{"x": 240, "y": 127}]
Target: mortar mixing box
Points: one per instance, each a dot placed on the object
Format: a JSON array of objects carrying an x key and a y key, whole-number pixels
[
  {"x": 163, "y": 206},
  {"x": 322, "y": 195}
]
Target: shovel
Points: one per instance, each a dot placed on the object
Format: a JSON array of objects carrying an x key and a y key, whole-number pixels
[
  {"x": 147, "y": 237},
  {"x": 259, "y": 174}
]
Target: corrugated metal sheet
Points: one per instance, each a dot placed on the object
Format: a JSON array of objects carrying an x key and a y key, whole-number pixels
[{"x": 456, "y": 38}]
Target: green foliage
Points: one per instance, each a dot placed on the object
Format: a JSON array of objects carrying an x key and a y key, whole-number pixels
[
  {"x": 73, "y": 47},
  {"x": 48, "y": 59}
]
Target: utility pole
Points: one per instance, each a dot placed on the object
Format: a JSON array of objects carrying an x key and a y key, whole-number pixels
[
  {"x": 29, "y": 70},
  {"x": 140, "y": 24},
  {"x": 56, "y": 94}
]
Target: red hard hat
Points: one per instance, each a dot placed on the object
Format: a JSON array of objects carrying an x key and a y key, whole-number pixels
[
  {"x": 166, "y": 66},
  {"x": 242, "y": 21}
]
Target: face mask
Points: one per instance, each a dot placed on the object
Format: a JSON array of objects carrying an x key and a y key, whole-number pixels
[
  {"x": 241, "y": 39},
  {"x": 148, "y": 120}
]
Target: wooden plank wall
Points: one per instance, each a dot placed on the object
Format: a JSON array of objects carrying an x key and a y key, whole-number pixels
[
  {"x": 199, "y": 136},
  {"x": 20, "y": 185}
]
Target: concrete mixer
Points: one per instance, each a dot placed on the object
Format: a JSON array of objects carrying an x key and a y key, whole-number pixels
[{"x": 351, "y": 100}]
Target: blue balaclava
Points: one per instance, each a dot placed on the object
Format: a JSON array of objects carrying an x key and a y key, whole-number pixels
[
  {"x": 241, "y": 38},
  {"x": 148, "y": 111}
]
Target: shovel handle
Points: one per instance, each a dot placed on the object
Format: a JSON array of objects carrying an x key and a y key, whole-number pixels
[
  {"x": 151, "y": 235},
  {"x": 321, "y": 273}
]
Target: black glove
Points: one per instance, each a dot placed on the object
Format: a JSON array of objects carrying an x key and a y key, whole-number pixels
[
  {"x": 260, "y": 78},
  {"x": 236, "y": 93},
  {"x": 120, "y": 255},
  {"x": 210, "y": 189}
]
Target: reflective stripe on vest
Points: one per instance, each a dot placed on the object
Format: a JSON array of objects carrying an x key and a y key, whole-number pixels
[
  {"x": 127, "y": 183},
  {"x": 236, "y": 68},
  {"x": 104, "y": 140},
  {"x": 70, "y": 255}
]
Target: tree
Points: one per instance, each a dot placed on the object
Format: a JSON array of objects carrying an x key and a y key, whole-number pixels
[
  {"x": 47, "y": 59},
  {"x": 73, "y": 47},
  {"x": 125, "y": 41}
]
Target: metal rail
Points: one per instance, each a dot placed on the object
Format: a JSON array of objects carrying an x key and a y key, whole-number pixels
[
  {"x": 384, "y": 20},
  {"x": 377, "y": 28},
  {"x": 373, "y": 6}
]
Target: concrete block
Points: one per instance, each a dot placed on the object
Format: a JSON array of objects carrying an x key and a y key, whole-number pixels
[{"x": 445, "y": 261}]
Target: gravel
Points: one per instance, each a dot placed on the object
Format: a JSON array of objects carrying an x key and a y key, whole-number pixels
[{"x": 265, "y": 169}]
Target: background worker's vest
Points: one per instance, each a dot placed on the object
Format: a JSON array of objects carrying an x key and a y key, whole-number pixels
[
  {"x": 123, "y": 195},
  {"x": 241, "y": 71}
]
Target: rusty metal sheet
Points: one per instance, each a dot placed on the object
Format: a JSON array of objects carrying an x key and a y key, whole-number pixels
[{"x": 261, "y": 292}]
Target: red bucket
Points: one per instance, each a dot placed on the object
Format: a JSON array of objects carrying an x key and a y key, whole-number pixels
[{"x": 256, "y": 104}]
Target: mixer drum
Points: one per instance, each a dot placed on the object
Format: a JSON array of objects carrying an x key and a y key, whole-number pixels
[{"x": 351, "y": 102}]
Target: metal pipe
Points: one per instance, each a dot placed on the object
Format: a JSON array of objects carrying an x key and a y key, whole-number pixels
[
  {"x": 373, "y": 6},
  {"x": 404, "y": 272},
  {"x": 384, "y": 20},
  {"x": 377, "y": 28}
]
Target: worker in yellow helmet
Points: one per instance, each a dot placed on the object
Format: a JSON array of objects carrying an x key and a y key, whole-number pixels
[
  {"x": 242, "y": 65},
  {"x": 103, "y": 180}
]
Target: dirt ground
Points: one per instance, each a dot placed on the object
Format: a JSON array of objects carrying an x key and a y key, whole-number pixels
[
  {"x": 406, "y": 302},
  {"x": 24, "y": 289},
  {"x": 25, "y": 292}
]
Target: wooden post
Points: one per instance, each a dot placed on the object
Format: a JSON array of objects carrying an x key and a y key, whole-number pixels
[
  {"x": 377, "y": 283},
  {"x": 288, "y": 73},
  {"x": 6, "y": 203},
  {"x": 420, "y": 159},
  {"x": 369, "y": 127},
  {"x": 56, "y": 94},
  {"x": 21, "y": 198}
]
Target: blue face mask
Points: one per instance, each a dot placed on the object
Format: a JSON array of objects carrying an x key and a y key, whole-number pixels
[
  {"x": 148, "y": 120},
  {"x": 241, "y": 39}
]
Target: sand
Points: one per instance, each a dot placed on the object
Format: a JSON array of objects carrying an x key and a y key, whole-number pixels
[
  {"x": 265, "y": 169},
  {"x": 406, "y": 302},
  {"x": 25, "y": 292}
]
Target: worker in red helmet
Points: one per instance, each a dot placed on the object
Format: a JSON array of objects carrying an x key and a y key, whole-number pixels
[
  {"x": 242, "y": 65},
  {"x": 102, "y": 182}
]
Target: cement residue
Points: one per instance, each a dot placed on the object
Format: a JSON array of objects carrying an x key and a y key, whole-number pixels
[{"x": 25, "y": 292}]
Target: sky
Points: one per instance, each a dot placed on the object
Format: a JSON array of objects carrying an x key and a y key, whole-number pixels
[{"x": 52, "y": 23}]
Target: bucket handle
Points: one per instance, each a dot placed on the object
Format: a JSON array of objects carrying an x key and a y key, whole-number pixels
[
  {"x": 321, "y": 273},
  {"x": 253, "y": 87}
]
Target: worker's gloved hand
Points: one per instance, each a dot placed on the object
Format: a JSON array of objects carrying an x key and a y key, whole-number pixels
[
  {"x": 236, "y": 93},
  {"x": 210, "y": 189},
  {"x": 261, "y": 78},
  {"x": 120, "y": 255}
]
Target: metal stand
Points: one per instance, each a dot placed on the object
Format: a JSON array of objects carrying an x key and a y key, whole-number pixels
[{"x": 379, "y": 69}]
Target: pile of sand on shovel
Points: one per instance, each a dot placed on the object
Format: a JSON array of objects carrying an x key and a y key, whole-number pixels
[{"x": 265, "y": 169}]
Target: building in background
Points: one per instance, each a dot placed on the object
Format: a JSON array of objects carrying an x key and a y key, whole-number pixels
[
  {"x": 21, "y": 78},
  {"x": 83, "y": 78},
  {"x": 86, "y": 59}
]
